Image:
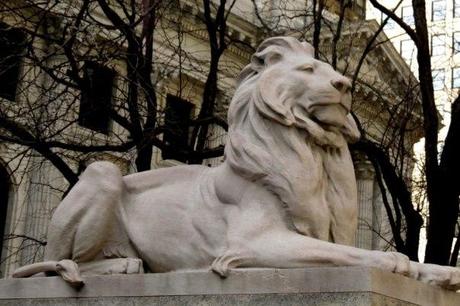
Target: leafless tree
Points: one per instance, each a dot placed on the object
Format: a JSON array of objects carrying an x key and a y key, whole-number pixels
[{"x": 440, "y": 169}]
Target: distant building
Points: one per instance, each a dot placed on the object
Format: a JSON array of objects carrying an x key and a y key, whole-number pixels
[{"x": 443, "y": 20}]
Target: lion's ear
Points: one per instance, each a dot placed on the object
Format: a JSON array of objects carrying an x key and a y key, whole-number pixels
[
  {"x": 309, "y": 48},
  {"x": 265, "y": 57},
  {"x": 350, "y": 130},
  {"x": 245, "y": 74}
]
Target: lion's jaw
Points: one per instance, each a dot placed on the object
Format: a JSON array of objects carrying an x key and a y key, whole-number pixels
[{"x": 332, "y": 113}]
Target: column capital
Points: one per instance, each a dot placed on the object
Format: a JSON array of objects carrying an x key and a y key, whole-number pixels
[{"x": 364, "y": 169}]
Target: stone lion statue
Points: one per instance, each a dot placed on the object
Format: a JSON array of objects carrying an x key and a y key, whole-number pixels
[{"x": 284, "y": 197}]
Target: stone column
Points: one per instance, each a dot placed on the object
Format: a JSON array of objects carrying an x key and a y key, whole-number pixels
[
  {"x": 365, "y": 182},
  {"x": 42, "y": 198},
  {"x": 383, "y": 234}
]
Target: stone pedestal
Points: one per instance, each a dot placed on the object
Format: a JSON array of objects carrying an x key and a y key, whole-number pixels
[{"x": 313, "y": 286}]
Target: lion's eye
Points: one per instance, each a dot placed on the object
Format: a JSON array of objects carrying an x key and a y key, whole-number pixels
[{"x": 306, "y": 68}]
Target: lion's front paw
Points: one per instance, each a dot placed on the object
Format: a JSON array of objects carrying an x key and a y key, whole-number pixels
[
  {"x": 224, "y": 263},
  {"x": 443, "y": 276},
  {"x": 221, "y": 266},
  {"x": 134, "y": 266},
  {"x": 402, "y": 263}
]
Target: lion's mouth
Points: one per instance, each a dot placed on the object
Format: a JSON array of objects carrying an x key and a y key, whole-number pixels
[
  {"x": 333, "y": 102},
  {"x": 333, "y": 114}
]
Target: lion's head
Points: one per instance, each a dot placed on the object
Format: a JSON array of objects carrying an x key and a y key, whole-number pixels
[
  {"x": 295, "y": 89},
  {"x": 289, "y": 122}
]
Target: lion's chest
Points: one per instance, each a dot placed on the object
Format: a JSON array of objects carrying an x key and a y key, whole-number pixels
[{"x": 323, "y": 196}]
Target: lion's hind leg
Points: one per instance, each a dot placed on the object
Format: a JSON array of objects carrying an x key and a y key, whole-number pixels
[
  {"x": 85, "y": 219},
  {"x": 112, "y": 266},
  {"x": 86, "y": 227}
]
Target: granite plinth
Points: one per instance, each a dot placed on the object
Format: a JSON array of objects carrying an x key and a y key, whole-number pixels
[{"x": 312, "y": 286}]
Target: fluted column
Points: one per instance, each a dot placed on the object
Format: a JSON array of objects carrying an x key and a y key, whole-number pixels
[
  {"x": 365, "y": 182},
  {"x": 42, "y": 197}
]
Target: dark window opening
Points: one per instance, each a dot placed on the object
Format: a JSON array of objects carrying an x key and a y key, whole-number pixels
[
  {"x": 4, "y": 190},
  {"x": 176, "y": 134},
  {"x": 96, "y": 97},
  {"x": 359, "y": 7},
  {"x": 12, "y": 46}
]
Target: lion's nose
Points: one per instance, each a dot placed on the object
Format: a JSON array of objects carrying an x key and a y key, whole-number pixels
[{"x": 342, "y": 84}]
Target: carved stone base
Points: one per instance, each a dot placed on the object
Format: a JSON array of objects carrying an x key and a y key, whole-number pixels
[{"x": 313, "y": 286}]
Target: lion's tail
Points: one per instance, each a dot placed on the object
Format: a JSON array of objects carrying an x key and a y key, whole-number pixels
[
  {"x": 29, "y": 270},
  {"x": 66, "y": 268}
]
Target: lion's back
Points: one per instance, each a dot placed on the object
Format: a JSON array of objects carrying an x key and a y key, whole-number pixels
[
  {"x": 164, "y": 193},
  {"x": 146, "y": 180}
]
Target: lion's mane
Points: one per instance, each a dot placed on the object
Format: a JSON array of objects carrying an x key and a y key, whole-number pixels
[{"x": 293, "y": 156}]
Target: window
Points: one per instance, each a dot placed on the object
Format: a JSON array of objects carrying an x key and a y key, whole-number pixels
[
  {"x": 408, "y": 14},
  {"x": 456, "y": 42},
  {"x": 407, "y": 49},
  {"x": 12, "y": 46},
  {"x": 391, "y": 24},
  {"x": 456, "y": 8},
  {"x": 456, "y": 77},
  {"x": 96, "y": 97},
  {"x": 438, "y": 10},
  {"x": 438, "y": 79},
  {"x": 438, "y": 44},
  {"x": 177, "y": 122},
  {"x": 359, "y": 6}
]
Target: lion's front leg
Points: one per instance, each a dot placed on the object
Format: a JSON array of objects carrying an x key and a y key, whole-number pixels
[{"x": 283, "y": 249}]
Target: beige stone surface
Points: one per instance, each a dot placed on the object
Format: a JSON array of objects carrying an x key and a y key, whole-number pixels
[{"x": 312, "y": 286}]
